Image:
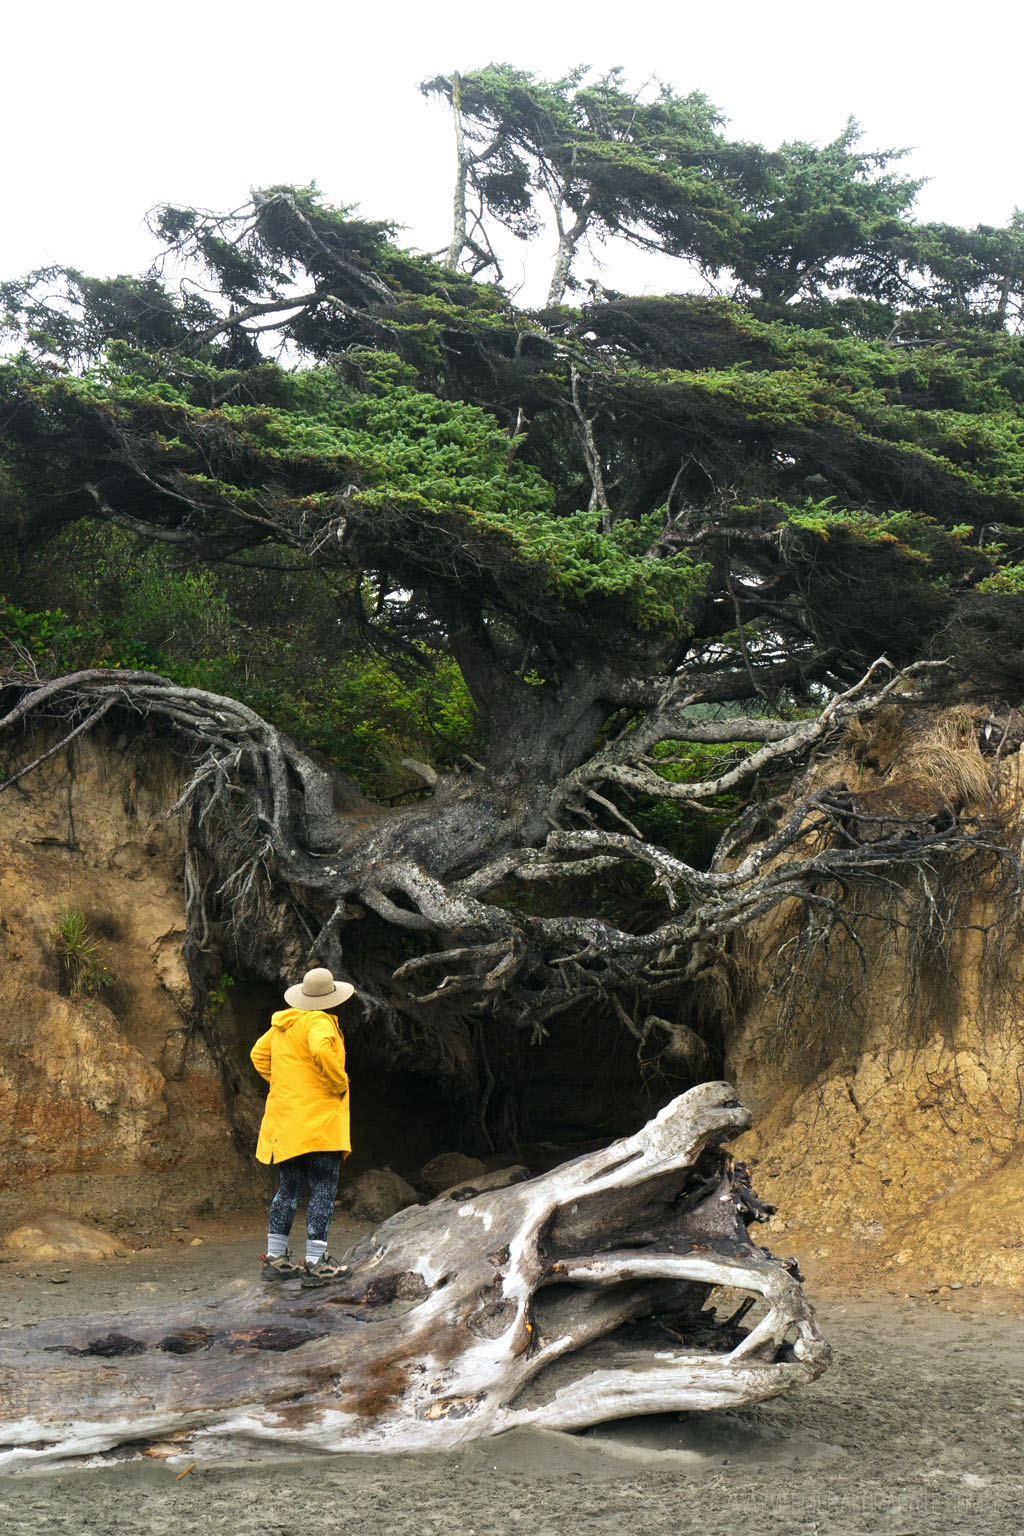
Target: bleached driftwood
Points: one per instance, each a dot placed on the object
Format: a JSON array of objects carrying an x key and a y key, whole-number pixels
[{"x": 592, "y": 1292}]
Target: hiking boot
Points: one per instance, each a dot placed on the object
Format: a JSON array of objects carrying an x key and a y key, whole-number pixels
[
  {"x": 324, "y": 1271},
  {"x": 283, "y": 1268}
]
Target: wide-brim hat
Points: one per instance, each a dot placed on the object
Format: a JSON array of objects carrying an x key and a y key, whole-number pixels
[{"x": 318, "y": 989}]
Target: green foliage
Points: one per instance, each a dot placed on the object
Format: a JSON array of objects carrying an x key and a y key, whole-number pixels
[
  {"x": 826, "y": 228},
  {"x": 411, "y": 462},
  {"x": 82, "y": 967},
  {"x": 655, "y": 168},
  {"x": 827, "y": 220},
  {"x": 1009, "y": 579},
  {"x": 689, "y": 833},
  {"x": 651, "y": 168},
  {"x": 152, "y": 611},
  {"x": 831, "y": 468},
  {"x": 276, "y": 640},
  {"x": 217, "y": 995},
  {"x": 53, "y": 642},
  {"x": 909, "y": 535},
  {"x": 365, "y": 713}
]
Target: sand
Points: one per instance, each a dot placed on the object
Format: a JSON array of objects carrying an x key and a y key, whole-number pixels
[{"x": 916, "y": 1430}]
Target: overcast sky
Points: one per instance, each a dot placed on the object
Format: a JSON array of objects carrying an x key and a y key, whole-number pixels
[{"x": 108, "y": 107}]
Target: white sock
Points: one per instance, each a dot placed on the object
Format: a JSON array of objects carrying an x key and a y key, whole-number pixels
[
  {"x": 276, "y": 1245},
  {"x": 314, "y": 1251}
]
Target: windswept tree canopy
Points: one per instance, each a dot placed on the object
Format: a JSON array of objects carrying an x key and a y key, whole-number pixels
[
  {"x": 599, "y": 161},
  {"x": 604, "y": 575}
]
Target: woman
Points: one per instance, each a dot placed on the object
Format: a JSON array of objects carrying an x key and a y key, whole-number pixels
[{"x": 305, "y": 1129}]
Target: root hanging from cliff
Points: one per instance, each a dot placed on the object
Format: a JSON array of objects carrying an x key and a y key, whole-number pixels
[
  {"x": 279, "y": 878},
  {"x": 918, "y": 919}
]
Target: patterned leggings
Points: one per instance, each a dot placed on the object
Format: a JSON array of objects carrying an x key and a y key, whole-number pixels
[{"x": 320, "y": 1171}]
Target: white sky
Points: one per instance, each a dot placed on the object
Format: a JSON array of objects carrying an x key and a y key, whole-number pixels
[{"x": 108, "y": 107}]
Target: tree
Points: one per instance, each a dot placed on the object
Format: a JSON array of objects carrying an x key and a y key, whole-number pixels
[
  {"x": 973, "y": 274},
  {"x": 829, "y": 219},
  {"x": 602, "y": 160},
  {"x": 664, "y": 541},
  {"x": 657, "y": 170}
]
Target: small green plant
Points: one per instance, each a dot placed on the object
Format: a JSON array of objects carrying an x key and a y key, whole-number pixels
[
  {"x": 218, "y": 993},
  {"x": 82, "y": 968}
]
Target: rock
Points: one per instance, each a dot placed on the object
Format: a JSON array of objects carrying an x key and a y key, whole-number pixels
[
  {"x": 447, "y": 1170},
  {"x": 867, "y": 1231},
  {"x": 500, "y": 1178},
  {"x": 375, "y": 1195},
  {"x": 58, "y": 1237}
]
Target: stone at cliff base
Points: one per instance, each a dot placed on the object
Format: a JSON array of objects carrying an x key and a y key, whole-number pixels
[
  {"x": 58, "y": 1237},
  {"x": 375, "y": 1195},
  {"x": 447, "y": 1170}
]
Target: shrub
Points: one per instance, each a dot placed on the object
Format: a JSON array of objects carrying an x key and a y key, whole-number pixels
[{"x": 82, "y": 968}]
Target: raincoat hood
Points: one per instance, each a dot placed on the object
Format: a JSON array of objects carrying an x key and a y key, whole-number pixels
[{"x": 288, "y": 1016}]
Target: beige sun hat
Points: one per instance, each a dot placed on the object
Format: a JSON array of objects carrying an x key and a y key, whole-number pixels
[{"x": 318, "y": 989}]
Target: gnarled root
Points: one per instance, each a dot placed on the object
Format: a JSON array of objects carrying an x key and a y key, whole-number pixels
[{"x": 572, "y": 1298}]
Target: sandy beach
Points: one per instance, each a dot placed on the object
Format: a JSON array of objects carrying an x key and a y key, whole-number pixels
[{"x": 915, "y": 1431}]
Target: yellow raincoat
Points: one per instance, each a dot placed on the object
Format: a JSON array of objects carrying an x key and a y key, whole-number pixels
[{"x": 302, "y": 1056}]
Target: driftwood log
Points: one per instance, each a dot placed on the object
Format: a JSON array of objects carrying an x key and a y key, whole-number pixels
[{"x": 621, "y": 1283}]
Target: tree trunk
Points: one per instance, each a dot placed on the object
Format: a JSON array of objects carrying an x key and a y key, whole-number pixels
[
  {"x": 617, "y": 1284},
  {"x": 568, "y": 240},
  {"x": 463, "y": 160}
]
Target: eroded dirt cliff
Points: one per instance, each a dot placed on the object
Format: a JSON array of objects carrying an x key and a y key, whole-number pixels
[
  {"x": 889, "y": 1109},
  {"x": 889, "y": 1102},
  {"x": 110, "y": 1109}
]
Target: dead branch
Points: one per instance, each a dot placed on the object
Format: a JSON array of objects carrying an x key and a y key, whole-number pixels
[{"x": 604, "y": 1288}]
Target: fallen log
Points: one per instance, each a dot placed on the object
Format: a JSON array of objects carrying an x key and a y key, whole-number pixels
[{"x": 621, "y": 1283}]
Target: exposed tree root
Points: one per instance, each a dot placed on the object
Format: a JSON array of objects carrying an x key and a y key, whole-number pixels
[{"x": 262, "y": 830}]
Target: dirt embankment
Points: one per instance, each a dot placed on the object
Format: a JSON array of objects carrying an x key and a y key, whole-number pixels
[
  {"x": 888, "y": 1087},
  {"x": 109, "y": 1108}
]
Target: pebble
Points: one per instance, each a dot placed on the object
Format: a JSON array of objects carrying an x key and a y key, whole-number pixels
[{"x": 956, "y": 1285}]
